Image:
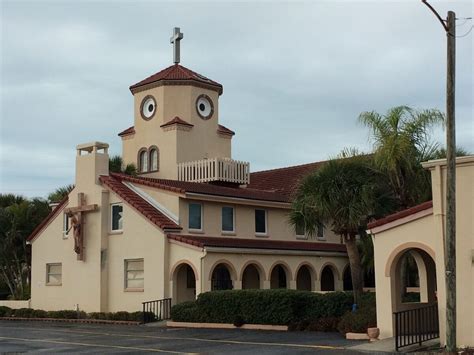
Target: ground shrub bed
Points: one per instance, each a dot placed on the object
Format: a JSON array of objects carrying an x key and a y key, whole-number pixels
[
  {"x": 300, "y": 310},
  {"x": 70, "y": 314}
]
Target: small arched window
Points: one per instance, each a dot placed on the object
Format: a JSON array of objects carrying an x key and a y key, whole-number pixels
[
  {"x": 154, "y": 159},
  {"x": 143, "y": 161}
]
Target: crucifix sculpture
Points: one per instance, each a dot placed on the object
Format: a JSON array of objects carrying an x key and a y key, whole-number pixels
[
  {"x": 77, "y": 221},
  {"x": 175, "y": 39}
]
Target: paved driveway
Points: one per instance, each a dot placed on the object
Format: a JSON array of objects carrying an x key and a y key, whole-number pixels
[{"x": 45, "y": 337}]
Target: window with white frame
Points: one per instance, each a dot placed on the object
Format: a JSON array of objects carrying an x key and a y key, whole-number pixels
[
  {"x": 195, "y": 216},
  {"x": 154, "y": 159},
  {"x": 260, "y": 221},
  {"x": 300, "y": 230},
  {"x": 228, "y": 219},
  {"x": 54, "y": 274},
  {"x": 143, "y": 161},
  {"x": 116, "y": 217},
  {"x": 65, "y": 225},
  {"x": 134, "y": 274},
  {"x": 321, "y": 234}
]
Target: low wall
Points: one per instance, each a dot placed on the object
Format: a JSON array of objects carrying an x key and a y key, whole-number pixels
[{"x": 16, "y": 304}]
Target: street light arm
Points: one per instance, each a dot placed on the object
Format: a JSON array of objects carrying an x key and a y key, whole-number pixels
[{"x": 443, "y": 23}]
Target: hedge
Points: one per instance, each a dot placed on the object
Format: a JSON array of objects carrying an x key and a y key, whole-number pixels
[
  {"x": 300, "y": 310},
  {"x": 70, "y": 314}
]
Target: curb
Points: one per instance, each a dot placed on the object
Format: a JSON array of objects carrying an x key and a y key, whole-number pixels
[
  {"x": 172, "y": 324},
  {"x": 63, "y": 320}
]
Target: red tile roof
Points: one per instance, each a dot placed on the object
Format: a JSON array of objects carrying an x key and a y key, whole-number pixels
[
  {"x": 178, "y": 121},
  {"x": 129, "y": 130},
  {"x": 203, "y": 188},
  {"x": 48, "y": 219},
  {"x": 224, "y": 130},
  {"x": 177, "y": 74},
  {"x": 405, "y": 213},
  {"x": 142, "y": 206},
  {"x": 284, "y": 181},
  {"x": 265, "y": 243}
]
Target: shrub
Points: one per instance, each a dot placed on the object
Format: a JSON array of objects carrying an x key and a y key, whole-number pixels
[
  {"x": 275, "y": 307},
  {"x": 5, "y": 311},
  {"x": 38, "y": 313},
  {"x": 67, "y": 314},
  {"x": 97, "y": 315},
  {"x": 358, "y": 321},
  {"x": 23, "y": 312}
]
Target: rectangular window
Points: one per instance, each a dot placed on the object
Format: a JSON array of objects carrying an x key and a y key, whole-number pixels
[
  {"x": 134, "y": 274},
  {"x": 227, "y": 219},
  {"x": 195, "y": 216},
  {"x": 65, "y": 225},
  {"x": 321, "y": 232},
  {"x": 116, "y": 211},
  {"x": 300, "y": 230},
  {"x": 260, "y": 221},
  {"x": 54, "y": 274}
]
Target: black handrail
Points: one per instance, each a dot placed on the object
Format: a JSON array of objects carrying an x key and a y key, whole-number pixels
[
  {"x": 154, "y": 311},
  {"x": 414, "y": 326}
]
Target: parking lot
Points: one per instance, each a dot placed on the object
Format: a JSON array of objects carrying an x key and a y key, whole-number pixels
[{"x": 16, "y": 337}]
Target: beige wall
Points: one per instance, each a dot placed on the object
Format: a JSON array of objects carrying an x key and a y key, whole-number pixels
[
  {"x": 15, "y": 304},
  {"x": 176, "y": 145}
]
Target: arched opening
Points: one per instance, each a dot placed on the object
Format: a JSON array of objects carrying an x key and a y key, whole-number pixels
[
  {"x": 413, "y": 279},
  {"x": 251, "y": 277},
  {"x": 185, "y": 283},
  {"x": 278, "y": 277},
  {"x": 221, "y": 279},
  {"x": 304, "y": 279},
  {"x": 347, "y": 279},
  {"x": 327, "y": 279},
  {"x": 154, "y": 159},
  {"x": 143, "y": 161}
]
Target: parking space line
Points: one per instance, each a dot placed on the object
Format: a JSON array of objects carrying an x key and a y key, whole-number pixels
[
  {"x": 291, "y": 345},
  {"x": 94, "y": 345}
]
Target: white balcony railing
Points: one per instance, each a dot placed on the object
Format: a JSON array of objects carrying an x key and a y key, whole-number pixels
[{"x": 216, "y": 169}]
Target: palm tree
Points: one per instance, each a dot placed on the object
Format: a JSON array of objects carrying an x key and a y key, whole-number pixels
[
  {"x": 60, "y": 193},
  {"x": 116, "y": 165},
  {"x": 401, "y": 143},
  {"x": 344, "y": 193}
]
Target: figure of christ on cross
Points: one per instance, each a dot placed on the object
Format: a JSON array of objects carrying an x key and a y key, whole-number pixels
[{"x": 77, "y": 223}]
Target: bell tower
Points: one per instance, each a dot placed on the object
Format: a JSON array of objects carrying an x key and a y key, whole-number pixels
[{"x": 176, "y": 121}]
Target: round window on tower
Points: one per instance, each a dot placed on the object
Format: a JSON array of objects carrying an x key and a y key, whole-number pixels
[
  {"x": 148, "y": 107},
  {"x": 204, "y": 107}
]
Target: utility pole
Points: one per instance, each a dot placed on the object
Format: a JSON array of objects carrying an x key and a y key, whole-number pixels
[{"x": 449, "y": 26}]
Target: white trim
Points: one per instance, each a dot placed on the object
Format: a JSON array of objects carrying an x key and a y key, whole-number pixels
[
  {"x": 196, "y": 230},
  {"x": 152, "y": 202}
]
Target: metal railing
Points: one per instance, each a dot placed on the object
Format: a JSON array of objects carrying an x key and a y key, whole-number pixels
[
  {"x": 154, "y": 311},
  {"x": 414, "y": 326}
]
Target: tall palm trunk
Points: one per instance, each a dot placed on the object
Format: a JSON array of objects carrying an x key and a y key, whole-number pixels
[{"x": 356, "y": 269}]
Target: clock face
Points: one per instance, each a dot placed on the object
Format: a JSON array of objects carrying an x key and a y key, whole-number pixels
[
  {"x": 148, "y": 107},
  {"x": 204, "y": 107}
]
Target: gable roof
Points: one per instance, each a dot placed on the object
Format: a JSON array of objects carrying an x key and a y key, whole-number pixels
[
  {"x": 138, "y": 203},
  {"x": 177, "y": 74},
  {"x": 203, "y": 188},
  {"x": 39, "y": 228},
  {"x": 401, "y": 214},
  {"x": 177, "y": 120},
  {"x": 224, "y": 130},
  {"x": 206, "y": 241},
  {"x": 129, "y": 130}
]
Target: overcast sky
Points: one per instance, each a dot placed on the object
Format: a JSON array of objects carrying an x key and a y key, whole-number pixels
[{"x": 295, "y": 75}]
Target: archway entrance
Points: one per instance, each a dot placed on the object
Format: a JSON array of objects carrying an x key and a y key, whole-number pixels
[
  {"x": 185, "y": 283},
  {"x": 278, "y": 277},
  {"x": 251, "y": 277},
  {"x": 327, "y": 279},
  {"x": 221, "y": 279},
  {"x": 304, "y": 279},
  {"x": 347, "y": 279}
]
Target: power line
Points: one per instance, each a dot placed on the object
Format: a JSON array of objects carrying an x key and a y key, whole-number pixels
[{"x": 464, "y": 35}]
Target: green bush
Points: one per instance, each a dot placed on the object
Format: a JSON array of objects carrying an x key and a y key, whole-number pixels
[
  {"x": 5, "y": 311},
  {"x": 358, "y": 321},
  {"x": 97, "y": 315},
  {"x": 67, "y": 314},
  {"x": 275, "y": 307},
  {"x": 23, "y": 312},
  {"x": 39, "y": 313}
]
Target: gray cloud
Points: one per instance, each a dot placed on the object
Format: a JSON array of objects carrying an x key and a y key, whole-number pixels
[{"x": 295, "y": 75}]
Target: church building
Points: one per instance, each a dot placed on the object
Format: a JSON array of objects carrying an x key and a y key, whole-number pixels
[{"x": 192, "y": 220}]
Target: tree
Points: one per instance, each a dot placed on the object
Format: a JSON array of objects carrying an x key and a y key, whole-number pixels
[
  {"x": 345, "y": 193},
  {"x": 401, "y": 143},
  {"x": 18, "y": 217},
  {"x": 60, "y": 193}
]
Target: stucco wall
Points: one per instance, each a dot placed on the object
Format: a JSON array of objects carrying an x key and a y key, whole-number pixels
[{"x": 15, "y": 304}]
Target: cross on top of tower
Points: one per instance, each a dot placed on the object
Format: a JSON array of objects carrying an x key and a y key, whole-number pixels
[{"x": 175, "y": 39}]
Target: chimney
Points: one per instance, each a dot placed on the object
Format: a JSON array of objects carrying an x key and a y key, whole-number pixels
[{"x": 92, "y": 160}]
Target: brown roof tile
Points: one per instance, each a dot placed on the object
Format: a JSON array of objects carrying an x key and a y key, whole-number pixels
[
  {"x": 224, "y": 242},
  {"x": 178, "y": 121},
  {"x": 224, "y": 130},
  {"x": 114, "y": 182},
  {"x": 129, "y": 130},
  {"x": 48, "y": 219},
  {"x": 401, "y": 214},
  {"x": 178, "y": 73}
]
